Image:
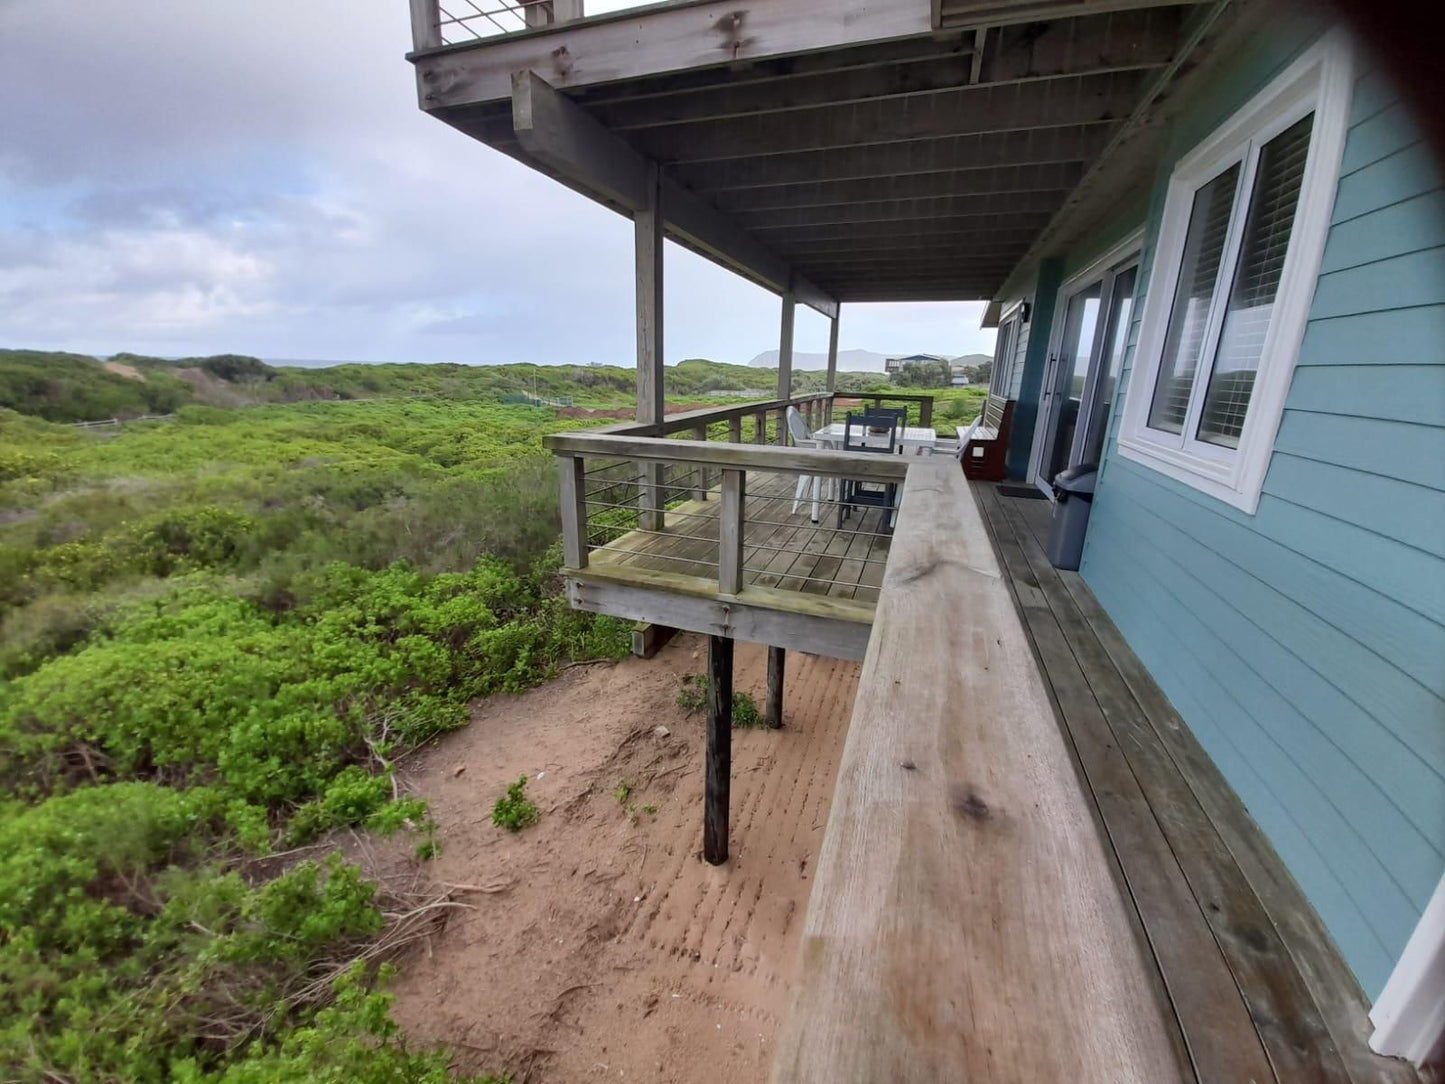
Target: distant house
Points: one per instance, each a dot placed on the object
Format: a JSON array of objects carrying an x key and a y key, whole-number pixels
[{"x": 893, "y": 365}]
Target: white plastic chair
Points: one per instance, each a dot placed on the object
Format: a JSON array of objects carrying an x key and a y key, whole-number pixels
[{"x": 808, "y": 484}]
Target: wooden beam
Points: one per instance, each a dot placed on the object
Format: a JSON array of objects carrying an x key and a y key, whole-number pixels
[
  {"x": 965, "y": 922},
  {"x": 773, "y": 711},
  {"x": 731, "y": 532},
  {"x": 628, "y": 44},
  {"x": 647, "y": 233},
  {"x": 425, "y": 27},
  {"x": 961, "y": 111},
  {"x": 764, "y": 615},
  {"x": 572, "y": 485},
  {"x": 1019, "y": 54},
  {"x": 999, "y": 180},
  {"x": 990, "y": 13},
  {"x": 867, "y": 293},
  {"x": 908, "y": 228},
  {"x": 785, "y": 362},
  {"x": 948, "y": 155},
  {"x": 558, "y": 135},
  {"x": 978, "y": 234},
  {"x": 861, "y": 466},
  {"x": 718, "y": 782},
  {"x": 832, "y": 379},
  {"x": 934, "y": 209}
]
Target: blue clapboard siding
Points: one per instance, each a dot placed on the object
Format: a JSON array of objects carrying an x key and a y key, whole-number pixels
[{"x": 1305, "y": 644}]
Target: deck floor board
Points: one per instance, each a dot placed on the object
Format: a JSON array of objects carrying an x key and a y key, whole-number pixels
[
  {"x": 1241, "y": 931},
  {"x": 782, "y": 548}
]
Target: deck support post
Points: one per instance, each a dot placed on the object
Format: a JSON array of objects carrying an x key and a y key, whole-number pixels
[
  {"x": 773, "y": 710},
  {"x": 760, "y": 427},
  {"x": 719, "y": 750},
  {"x": 832, "y": 381},
  {"x": 735, "y": 430},
  {"x": 648, "y": 236},
  {"x": 785, "y": 363},
  {"x": 703, "y": 482}
]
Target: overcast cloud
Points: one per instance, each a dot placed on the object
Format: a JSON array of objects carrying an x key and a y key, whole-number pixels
[{"x": 183, "y": 178}]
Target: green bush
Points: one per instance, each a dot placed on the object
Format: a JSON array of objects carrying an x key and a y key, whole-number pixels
[
  {"x": 514, "y": 810},
  {"x": 692, "y": 698}
]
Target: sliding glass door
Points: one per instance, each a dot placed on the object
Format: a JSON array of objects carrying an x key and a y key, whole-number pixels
[{"x": 1083, "y": 371}]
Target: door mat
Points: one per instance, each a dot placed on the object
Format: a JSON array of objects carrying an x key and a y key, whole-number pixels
[{"x": 1013, "y": 489}]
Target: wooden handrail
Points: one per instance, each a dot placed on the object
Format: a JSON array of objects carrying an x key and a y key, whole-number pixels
[{"x": 859, "y": 466}]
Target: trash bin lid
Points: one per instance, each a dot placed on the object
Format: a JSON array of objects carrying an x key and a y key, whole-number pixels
[{"x": 1077, "y": 479}]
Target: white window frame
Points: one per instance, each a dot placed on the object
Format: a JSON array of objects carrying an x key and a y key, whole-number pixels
[
  {"x": 1003, "y": 361},
  {"x": 1319, "y": 81}
]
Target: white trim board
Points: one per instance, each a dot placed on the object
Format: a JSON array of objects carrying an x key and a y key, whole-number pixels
[
  {"x": 1409, "y": 1016},
  {"x": 1319, "y": 81}
]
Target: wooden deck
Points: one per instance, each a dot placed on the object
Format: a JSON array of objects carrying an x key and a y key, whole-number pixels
[
  {"x": 782, "y": 550},
  {"x": 1255, "y": 986}
]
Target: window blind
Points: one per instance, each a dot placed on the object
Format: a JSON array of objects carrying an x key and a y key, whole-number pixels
[
  {"x": 1193, "y": 297},
  {"x": 1272, "y": 206}
]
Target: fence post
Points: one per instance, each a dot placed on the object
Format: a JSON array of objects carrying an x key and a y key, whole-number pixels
[
  {"x": 730, "y": 532},
  {"x": 573, "y": 483},
  {"x": 735, "y": 430},
  {"x": 426, "y": 31},
  {"x": 760, "y": 424},
  {"x": 700, "y": 484},
  {"x": 650, "y": 500},
  {"x": 925, "y": 413}
]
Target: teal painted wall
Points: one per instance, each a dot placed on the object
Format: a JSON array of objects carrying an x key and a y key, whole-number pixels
[
  {"x": 1305, "y": 644},
  {"x": 1029, "y": 376}
]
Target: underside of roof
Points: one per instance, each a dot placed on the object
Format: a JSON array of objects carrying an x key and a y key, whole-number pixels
[{"x": 921, "y": 167}]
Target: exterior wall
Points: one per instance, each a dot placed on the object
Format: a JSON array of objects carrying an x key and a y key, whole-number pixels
[
  {"x": 1029, "y": 375},
  {"x": 1305, "y": 644}
]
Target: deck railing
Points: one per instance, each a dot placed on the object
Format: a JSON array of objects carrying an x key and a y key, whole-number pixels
[
  {"x": 450, "y": 22},
  {"x": 627, "y": 486}
]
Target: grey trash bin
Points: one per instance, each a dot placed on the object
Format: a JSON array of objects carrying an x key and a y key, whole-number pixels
[{"x": 1073, "y": 497}]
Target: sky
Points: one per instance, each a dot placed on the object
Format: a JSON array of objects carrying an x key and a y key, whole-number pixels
[{"x": 182, "y": 178}]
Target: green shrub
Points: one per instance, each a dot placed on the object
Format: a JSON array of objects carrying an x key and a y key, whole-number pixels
[
  {"x": 514, "y": 810},
  {"x": 692, "y": 698}
]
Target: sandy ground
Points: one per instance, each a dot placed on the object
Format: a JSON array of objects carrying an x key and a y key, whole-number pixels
[{"x": 605, "y": 947}]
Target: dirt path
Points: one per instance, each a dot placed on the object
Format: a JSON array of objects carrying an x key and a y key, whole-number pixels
[{"x": 613, "y": 951}]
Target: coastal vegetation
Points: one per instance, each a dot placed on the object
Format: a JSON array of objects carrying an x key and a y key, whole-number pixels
[{"x": 220, "y": 631}]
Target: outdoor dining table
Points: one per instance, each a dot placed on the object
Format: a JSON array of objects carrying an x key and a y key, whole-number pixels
[{"x": 914, "y": 440}]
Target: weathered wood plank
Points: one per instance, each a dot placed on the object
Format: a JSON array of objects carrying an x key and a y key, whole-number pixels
[
  {"x": 785, "y": 359},
  {"x": 629, "y": 44},
  {"x": 572, "y": 487},
  {"x": 860, "y": 465},
  {"x": 730, "y": 532},
  {"x": 648, "y": 235},
  {"x": 1217, "y": 1027},
  {"x": 1330, "y": 982},
  {"x": 965, "y": 924}
]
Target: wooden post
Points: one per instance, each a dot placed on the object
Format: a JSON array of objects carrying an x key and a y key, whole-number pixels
[
  {"x": 760, "y": 427},
  {"x": 718, "y": 782},
  {"x": 573, "y": 485},
  {"x": 785, "y": 359},
  {"x": 832, "y": 381},
  {"x": 426, "y": 30},
  {"x": 773, "y": 712},
  {"x": 647, "y": 236},
  {"x": 701, "y": 483},
  {"x": 730, "y": 532},
  {"x": 735, "y": 430},
  {"x": 925, "y": 412}
]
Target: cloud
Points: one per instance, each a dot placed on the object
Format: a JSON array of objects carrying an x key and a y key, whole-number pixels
[{"x": 188, "y": 178}]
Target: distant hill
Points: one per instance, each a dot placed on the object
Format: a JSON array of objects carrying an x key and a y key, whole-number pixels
[{"x": 850, "y": 361}]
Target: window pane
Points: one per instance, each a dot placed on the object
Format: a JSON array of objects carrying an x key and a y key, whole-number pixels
[
  {"x": 1116, "y": 340},
  {"x": 1256, "y": 282},
  {"x": 1203, "y": 249}
]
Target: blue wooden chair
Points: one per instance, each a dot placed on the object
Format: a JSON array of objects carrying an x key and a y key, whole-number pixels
[{"x": 857, "y": 438}]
